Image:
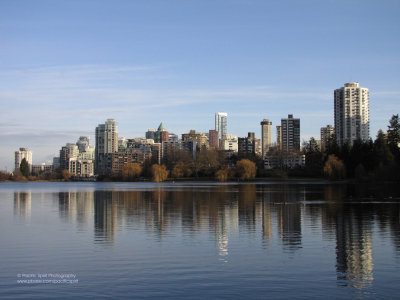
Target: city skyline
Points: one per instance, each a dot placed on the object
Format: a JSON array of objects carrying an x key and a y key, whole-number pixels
[{"x": 66, "y": 67}]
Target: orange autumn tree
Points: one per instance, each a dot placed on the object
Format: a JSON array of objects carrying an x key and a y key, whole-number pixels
[
  {"x": 159, "y": 173},
  {"x": 131, "y": 171},
  {"x": 246, "y": 169}
]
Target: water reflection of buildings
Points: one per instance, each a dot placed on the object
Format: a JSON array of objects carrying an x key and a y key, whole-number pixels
[
  {"x": 76, "y": 207},
  {"x": 218, "y": 209},
  {"x": 351, "y": 226},
  {"x": 281, "y": 205},
  {"x": 80, "y": 207},
  {"x": 354, "y": 251},
  {"x": 256, "y": 211},
  {"x": 228, "y": 217},
  {"x": 289, "y": 216},
  {"x": 22, "y": 204},
  {"x": 105, "y": 216}
]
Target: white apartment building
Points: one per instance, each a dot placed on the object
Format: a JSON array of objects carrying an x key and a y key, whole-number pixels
[
  {"x": 20, "y": 155},
  {"x": 106, "y": 142},
  {"x": 221, "y": 124},
  {"x": 230, "y": 142},
  {"x": 81, "y": 167},
  {"x": 351, "y": 104}
]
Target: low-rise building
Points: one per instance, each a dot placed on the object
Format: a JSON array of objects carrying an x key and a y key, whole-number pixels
[
  {"x": 200, "y": 138},
  {"x": 81, "y": 167},
  {"x": 229, "y": 143},
  {"x": 42, "y": 169},
  {"x": 284, "y": 160}
]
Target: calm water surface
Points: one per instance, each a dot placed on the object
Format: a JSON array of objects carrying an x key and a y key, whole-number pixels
[{"x": 199, "y": 240}]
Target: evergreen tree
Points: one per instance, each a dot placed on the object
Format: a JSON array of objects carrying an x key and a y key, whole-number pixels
[
  {"x": 382, "y": 154},
  {"x": 332, "y": 146},
  {"x": 393, "y": 133},
  {"x": 24, "y": 168},
  {"x": 393, "y": 136},
  {"x": 314, "y": 158}
]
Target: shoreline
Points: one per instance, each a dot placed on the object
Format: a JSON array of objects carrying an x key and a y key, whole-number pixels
[{"x": 202, "y": 180}]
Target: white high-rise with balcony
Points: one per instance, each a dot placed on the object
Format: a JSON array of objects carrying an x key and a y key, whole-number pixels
[
  {"x": 221, "y": 121},
  {"x": 351, "y": 104},
  {"x": 106, "y": 141},
  {"x": 20, "y": 155}
]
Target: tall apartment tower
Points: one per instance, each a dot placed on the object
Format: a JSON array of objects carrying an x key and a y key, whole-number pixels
[
  {"x": 66, "y": 153},
  {"x": 351, "y": 104},
  {"x": 106, "y": 140},
  {"x": 221, "y": 124},
  {"x": 326, "y": 134},
  {"x": 20, "y": 155},
  {"x": 290, "y": 134},
  {"x": 279, "y": 137},
  {"x": 265, "y": 136},
  {"x": 213, "y": 139},
  {"x": 83, "y": 143}
]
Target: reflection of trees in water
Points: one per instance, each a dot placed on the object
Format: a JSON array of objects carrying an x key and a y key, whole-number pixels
[
  {"x": 335, "y": 196},
  {"x": 287, "y": 204},
  {"x": 247, "y": 207},
  {"x": 388, "y": 219}
]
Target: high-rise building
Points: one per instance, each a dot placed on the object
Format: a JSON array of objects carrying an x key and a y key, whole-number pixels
[
  {"x": 83, "y": 143},
  {"x": 246, "y": 146},
  {"x": 68, "y": 152},
  {"x": 279, "y": 136},
  {"x": 265, "y": 136},
  {"x": 257, "y": 147},
  {"x": 150, "y": 134},
  {"x": 351, "y": 104},
  {"x": 199, "y": 138},
  {"x": 221, "y": 123},
  {"x": 326, "y": 134},
  {"x": 290, "y": 134},
  {"x": 106, "y": 141},
  {"x": 161, "y": 135},
  {"x": 20, "y": 155},
  {"x": 213, "y": 141}
]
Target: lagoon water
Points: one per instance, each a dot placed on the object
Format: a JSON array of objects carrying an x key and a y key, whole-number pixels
[{"x": 199, "y": 240}]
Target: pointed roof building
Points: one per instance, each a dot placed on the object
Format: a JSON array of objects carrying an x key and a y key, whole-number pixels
[{"x": 161, "y": 127}]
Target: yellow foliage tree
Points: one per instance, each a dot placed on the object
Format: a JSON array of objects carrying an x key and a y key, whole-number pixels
[
  {"x": 334, "y": 168},
  {"x": 130, "y": 171},
  {"x": 181, "y": 170},
  {"x": 159, "y": 172},
  {"x": 246, "y": 169},
  {"x": 223, "y": 174},
  {"x": 66, "y": 175}
]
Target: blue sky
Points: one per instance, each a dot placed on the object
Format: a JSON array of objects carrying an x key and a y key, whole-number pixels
[{"x": 66, "y": 66}]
